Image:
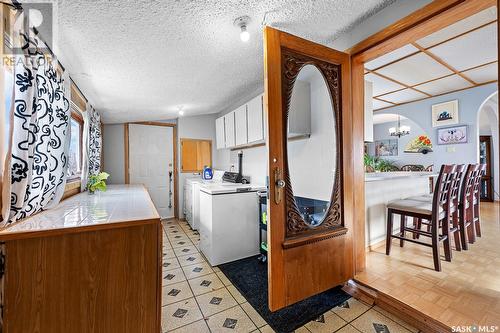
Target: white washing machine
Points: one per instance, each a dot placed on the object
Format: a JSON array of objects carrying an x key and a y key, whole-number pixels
[
  {"x": 192, "y": 197},
  {"x": 229, "y": 221}
]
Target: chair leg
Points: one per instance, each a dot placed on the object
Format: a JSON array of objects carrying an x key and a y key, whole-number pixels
[
  {"x": 477, "y": 219},
  {"x": 471, "y": 231},
  {"x": 462, "y": 221},
  {"x": 415, "y": 226},
  {"x": 388, "y": 240},
  {"x": 446, "y": 242},
  {"x": 402, "y": 233},
  {"x": 435, "y": 246},
  {"x": 456, "y": 233}
]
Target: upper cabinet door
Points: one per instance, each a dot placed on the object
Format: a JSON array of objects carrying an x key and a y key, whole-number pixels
[
  {"x": 255, "y": 119},
  {"x": 240, "y": 121},
  {"x": 229, "y": 130},
  {"x": 220, "y": 133}
]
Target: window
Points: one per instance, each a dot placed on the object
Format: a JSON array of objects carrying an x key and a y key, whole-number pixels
[{"x": 75, "y": 147}]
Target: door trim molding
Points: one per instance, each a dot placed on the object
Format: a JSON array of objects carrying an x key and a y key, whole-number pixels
[
  {"x": 422, "y": 22},
  {"x": 175, "y": 148}
]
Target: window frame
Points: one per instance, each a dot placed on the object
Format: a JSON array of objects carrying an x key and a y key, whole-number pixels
[{"x": 76, "y": 116}]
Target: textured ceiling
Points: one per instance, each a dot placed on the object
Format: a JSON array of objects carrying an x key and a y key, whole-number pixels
[{"x": 140, "y": 60}]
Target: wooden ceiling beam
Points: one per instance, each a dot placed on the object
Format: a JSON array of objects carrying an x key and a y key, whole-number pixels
[
  {"x": 425, "y": 21},
  {"x": 421, "y": 99},
  {"x": 439, "y": 78},
  {"x": 398, "y": 82},
  {"x": 434, "y": 45},
  {"x": 443, "y": 63}
]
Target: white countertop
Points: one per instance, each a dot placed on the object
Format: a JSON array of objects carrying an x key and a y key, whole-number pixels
[
  {"x": 379, "y": 176},
  {"x": 119, "y": 205},
  {"x": 224, "y": 187}
]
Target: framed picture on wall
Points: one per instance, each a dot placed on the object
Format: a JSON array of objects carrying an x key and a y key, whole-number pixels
[
  {"x": 444, "y": 114},
  {"x": 452, "y": 135},
  {"x": 386, "y": 148}
]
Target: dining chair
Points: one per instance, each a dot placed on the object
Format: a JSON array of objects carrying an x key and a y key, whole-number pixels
[
  {"x": 437, "y": 212},
  {"x": 454, "y": 207},
  {"x": 466, "y": 205},
  {"x": 475, "y": 231}
]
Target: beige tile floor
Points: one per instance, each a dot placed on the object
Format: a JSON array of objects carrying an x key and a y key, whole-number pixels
[{"x": 199, "y": 298}]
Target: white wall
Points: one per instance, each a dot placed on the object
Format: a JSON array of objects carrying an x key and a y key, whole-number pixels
[
  {"x": 196, "y": 127},
  {"x": 387, "y": 16},
  {"x": 381, "y": 132},
  {"x": 469, "y": 103},
  {"x": 114, "y": 153}
]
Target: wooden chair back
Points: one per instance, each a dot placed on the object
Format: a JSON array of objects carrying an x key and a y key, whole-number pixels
[
  {"x": 477, "y": 181},
  {"x": 444, "y": 184},
  {"x": 456, "y": 183},
  {"x": 468, "y": 182}
]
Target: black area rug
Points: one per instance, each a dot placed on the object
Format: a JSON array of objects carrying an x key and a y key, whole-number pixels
[{"x": 249, "y": 276}]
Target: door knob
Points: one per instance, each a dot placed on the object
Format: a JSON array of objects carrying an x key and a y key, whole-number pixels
[{"x": 279, "y": 185}]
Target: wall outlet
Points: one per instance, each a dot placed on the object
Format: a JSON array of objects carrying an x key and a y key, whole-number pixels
[{"x": 451, "y": 149}]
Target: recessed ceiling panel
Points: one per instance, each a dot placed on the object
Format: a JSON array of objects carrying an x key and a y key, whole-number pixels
[
  {"x": 381, "y": 85},
  {"x": 484, "y": 73},
  {"x": 415, "y": 69},
  {"x": 472, "y": 49},
  {"x": 377, "y": 104},
  {"x": 441, "y": 86},
  {"x": 459, "y": 27},
  {"x": 381, "y": 118},
  {"x": 404, "y": 96},
  {"x": 391, "y": 56}
]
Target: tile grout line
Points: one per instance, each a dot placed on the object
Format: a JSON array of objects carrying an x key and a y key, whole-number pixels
[{"x": 194, "y": 297}]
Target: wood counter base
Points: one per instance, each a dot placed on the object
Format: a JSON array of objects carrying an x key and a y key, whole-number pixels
[
  {"x": 98, "y": 281},
  {"x": 85, "y": 280}
]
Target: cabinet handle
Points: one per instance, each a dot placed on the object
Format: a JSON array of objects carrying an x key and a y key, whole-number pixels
[{"x": 279, "y": 185}]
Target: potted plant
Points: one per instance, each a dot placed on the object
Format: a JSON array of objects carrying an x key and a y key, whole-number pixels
[{"x": 97, "y": 182}]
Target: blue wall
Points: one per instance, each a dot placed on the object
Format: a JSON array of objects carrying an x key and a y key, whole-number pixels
[{"x": 469, "y": 102}]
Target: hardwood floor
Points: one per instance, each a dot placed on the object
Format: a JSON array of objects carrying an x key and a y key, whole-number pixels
[{"x": 466, "y": 292}]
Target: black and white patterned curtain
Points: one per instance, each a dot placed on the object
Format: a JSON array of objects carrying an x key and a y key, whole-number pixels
[
  {"x": 92, "y": 138},
  {"x": 36, "y": 165}
]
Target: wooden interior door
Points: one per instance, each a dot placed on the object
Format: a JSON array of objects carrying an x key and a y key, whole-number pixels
[
  {"x": 305, "y": 260},
  {"x": 485, "y": 158}
]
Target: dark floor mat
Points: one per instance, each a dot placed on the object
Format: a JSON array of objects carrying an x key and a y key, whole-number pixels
[{"x": 249, "y": 276}]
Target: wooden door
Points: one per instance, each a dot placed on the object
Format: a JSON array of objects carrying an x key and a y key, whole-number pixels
[
  {"x": 485, "y": 158},
  {"x": 305, "y": 260}
]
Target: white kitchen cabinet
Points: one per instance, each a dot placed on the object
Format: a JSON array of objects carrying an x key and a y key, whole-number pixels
[
  {"x": 229, "y": 130},
  {"x": 299, "y": 115},
  {"x": 220, "y": 135},
  {"x": 240, "y": 123},
  {"x": 255, "y": 115}
]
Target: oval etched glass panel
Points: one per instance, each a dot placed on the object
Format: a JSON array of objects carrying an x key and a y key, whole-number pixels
[{"x": 311, "y": 145}]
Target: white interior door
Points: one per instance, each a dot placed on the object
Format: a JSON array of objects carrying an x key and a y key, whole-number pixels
[{"x": 151, "y": 157}]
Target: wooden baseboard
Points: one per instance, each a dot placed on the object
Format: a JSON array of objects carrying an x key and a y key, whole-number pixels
[
  {"x": 412, "y": 316},
  {"x": 372, "y": 247}
]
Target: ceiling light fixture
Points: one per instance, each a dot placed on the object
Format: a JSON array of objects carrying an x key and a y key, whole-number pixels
[
  {"x": 181, "y": 111},
  {"x": 242, "y": 23},
  {"x": 400, "y": 130}
]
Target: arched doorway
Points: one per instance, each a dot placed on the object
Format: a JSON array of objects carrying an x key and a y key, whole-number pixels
[{"x": 488, "y": 147}]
